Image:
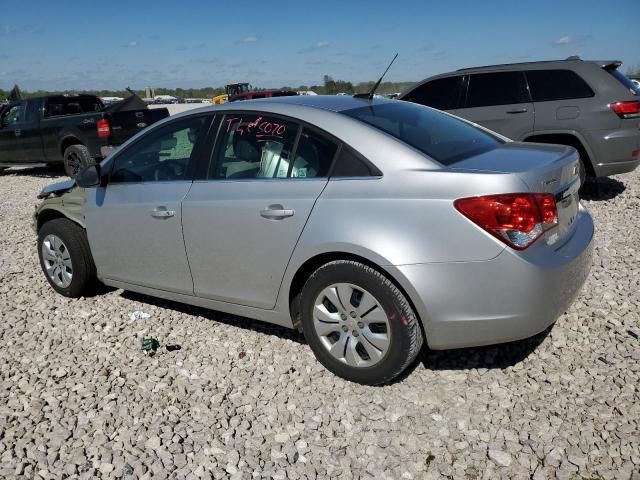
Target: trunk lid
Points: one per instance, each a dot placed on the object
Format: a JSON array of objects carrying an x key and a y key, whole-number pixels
[{"x": 543, "y": 168}]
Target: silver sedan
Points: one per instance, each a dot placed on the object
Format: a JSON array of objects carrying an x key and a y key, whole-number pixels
[{"x": 374, "y": 226}]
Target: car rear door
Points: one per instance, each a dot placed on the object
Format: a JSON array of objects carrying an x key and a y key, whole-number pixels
[
  {"x": 134, "y": 224},
  {"x": 499, "y": 101},
  {"x": 243, "y": 218}
]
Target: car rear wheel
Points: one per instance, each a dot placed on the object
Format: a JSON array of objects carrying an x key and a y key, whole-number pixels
[
  {"x": 76, "y": 157},
  {"x": 358, "y": 323},
  {"x": 65, "y": 258}
]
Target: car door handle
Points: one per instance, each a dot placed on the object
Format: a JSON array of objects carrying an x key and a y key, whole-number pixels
[
  {"x": 276, "y": 212},
  {"x": 162, "y": 212},
  {"x": 519, "y": 110},
  {"x": 18, "y": 132}
]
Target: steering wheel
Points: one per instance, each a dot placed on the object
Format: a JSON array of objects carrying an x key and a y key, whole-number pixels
[{"x": 168, "y": 170}]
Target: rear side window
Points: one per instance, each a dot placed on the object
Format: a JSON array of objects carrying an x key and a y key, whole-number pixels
[
  {"x": 442, "y": 137},
  {"x": 622, "y": 78},
  {"x": 313, "y": 155},
  {"x": 500, "y": 88},
  {"x": 253, "y": 145},
  {"x": 548, "y": 85},
  {"x": 442, "y": 93},
  {"x": 348, "y": 164},
  {"x": 58, "y": 106}
]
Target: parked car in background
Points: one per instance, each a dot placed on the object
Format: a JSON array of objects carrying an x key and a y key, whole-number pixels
[
  {"x": 372, "y": 225},
  {"x": 589, "y": 105},
  {"x": 74, "y": 130}
]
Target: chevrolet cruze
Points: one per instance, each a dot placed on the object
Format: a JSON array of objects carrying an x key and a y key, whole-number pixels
[{"x": 374, "y": 226}]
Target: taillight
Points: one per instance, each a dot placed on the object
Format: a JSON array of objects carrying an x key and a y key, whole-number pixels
[
  {"x": 104, "y": 129},
  {"x": 518, "y": 219},
  {"x": 628, "y": 109}
]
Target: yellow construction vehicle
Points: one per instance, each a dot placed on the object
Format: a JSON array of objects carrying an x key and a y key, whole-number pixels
[{"x": 232, "y": 90}]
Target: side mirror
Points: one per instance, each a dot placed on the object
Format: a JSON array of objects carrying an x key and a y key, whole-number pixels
[{"x": 89, "y": 176}]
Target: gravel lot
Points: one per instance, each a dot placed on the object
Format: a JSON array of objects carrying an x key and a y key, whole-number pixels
[{"x": 242, "y": 399}]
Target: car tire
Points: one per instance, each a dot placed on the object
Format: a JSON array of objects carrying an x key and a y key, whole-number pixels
[
  {"x": 582, "y": 172},
  {"x": 359, "y": 325},
  {"x": 2, "y": 169},
  {"x": 76, "y": 157},
  {"x": 66, "y": 259}
]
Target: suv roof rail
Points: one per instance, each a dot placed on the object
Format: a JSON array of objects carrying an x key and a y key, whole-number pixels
[{"x": 568, "y": 59}]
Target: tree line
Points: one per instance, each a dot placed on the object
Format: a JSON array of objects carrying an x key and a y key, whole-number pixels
[{"x": 329, "y": 86}]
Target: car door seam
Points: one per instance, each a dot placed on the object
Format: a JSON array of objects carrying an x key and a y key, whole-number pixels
[{"x": 295, "y": 246}]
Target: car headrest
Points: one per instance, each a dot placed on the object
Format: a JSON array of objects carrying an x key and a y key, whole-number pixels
[{"x": 246, "y": 148}]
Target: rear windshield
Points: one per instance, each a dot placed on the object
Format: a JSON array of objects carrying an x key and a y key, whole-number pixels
[
  {"x": 440, "y": 136},
  {"x": 58, "y": 106},
  {"x": 622, "y": 78}
]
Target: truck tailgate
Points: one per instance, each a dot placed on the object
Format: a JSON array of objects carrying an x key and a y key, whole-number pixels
[{"x": 125, "y": 125}]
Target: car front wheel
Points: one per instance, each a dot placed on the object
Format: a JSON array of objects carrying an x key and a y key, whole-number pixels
[
  {"x": 65, "y": 258},
  {"x": 358, "y": 323}
]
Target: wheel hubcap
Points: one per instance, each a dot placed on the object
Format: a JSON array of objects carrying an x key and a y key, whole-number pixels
[
  {"x": 351, "y": 325},
  {"x": 57, "y": 261}
]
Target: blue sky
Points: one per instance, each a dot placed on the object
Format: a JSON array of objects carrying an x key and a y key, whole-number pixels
[{"x": 95, "y": 45}]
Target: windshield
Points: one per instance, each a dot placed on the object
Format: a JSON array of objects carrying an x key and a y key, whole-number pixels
[
  {"x": 622, "y": 78},
  {"x": 442, "y": 137}
]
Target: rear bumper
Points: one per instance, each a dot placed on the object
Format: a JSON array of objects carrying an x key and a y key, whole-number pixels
[
  {"x": 513, "y": 296},
  {"x": 613, "y": 150}
]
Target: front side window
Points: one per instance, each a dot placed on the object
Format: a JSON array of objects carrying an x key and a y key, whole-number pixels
[
  {"x": 500, "y": 88},
  {"x": 162, "y": 155},
  {"x": 14, "y": 115},
  {"x": 442, "y": 137},
  {"x": 441, "y": 93},
  {"x": 548, "y": 85},
  {"x": 254, "y": 145}
]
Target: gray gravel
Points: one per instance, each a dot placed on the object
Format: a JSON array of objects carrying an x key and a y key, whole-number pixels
[{"x": 242, "y": 399}]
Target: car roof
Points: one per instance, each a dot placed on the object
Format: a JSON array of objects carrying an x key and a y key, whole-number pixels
[
  {"x": 332, "y": 103},
  {"x": 565, "y": 62}
]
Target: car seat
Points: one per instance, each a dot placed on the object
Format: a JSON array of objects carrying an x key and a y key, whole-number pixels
[{"x": 247, "y": 152}]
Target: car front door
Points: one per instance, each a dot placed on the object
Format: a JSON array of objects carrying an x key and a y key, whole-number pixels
[
  {"x": 10, "y": 134},
  {"x": 243, "y": 219},
  {"x": 499, "y": 101},
  {"x": 29, "y": 142},
  {"x": 134, "y": 223}
]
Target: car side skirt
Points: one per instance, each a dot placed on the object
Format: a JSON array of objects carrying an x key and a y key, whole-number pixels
[{"x": 271, "y": 316}]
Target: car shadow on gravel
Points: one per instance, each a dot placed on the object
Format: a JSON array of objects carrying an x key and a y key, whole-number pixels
[
  {"x": 220, "y": 317},
  {"x": 490, "y": 357},
  {"x": 601, "y": 189},
  {"x": 39, "y": 171}
]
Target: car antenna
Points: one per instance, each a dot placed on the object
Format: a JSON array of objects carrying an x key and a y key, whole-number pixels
[{"x": 375, "y": 87}]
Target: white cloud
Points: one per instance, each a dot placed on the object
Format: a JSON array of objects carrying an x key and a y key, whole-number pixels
[
  {"x": 249, "y": 39},
  {"x": 321, "y": 44},
  {"x": 566, "y": 40},
  {"x": 132, "y": 43}
]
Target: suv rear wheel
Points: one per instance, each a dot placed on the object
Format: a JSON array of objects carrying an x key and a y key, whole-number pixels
[{"x": 358, "y": 323}]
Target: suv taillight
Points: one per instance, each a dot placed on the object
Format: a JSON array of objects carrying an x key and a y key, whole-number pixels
[
  {"x": 517, "y": 219},
  {"x": 627, "y": 109},
  {"x": 104, "y": 129}
]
